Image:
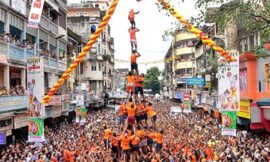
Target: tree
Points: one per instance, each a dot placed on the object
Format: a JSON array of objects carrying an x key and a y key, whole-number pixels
[{"x": 151, "y": 79}]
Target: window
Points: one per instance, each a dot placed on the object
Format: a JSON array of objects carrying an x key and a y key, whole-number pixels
[
  {"x": 81, "y": 67},
  {"x": 99, "y": 66},
  {"x": 93, "y": 28},
  {"x": 94, "y": 67}
]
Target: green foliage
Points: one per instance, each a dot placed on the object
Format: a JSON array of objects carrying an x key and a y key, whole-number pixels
[{"x": 151, "y": 79}]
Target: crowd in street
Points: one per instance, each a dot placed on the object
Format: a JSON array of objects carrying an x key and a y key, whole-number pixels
[{"x": 186, "y": 137}]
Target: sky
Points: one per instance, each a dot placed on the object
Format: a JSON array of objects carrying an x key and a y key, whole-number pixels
[{"x": 152, "y": 25}]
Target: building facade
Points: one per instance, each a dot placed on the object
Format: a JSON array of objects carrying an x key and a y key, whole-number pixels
[
  {"x": 18, "y": 43},
  {"x": 97, "y": 69}
]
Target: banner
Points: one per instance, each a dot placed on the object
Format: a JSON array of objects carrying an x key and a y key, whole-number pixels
[
  {"x": 36, "y": 130},
  {"x": 81, "y": 115},
  {"x": 244, "y": 111},
  {"x": 35, "y": 86},
  {"x": 187, "y": 106},
  {"x": 228, "y": 123},
  {"x": 228, "y": 86},
  {"x": 3, "y": 138},
  {"x": 195, "y": 81},
  {"x": 35, "y": 13},
  {"x": 79, "y": 100}
]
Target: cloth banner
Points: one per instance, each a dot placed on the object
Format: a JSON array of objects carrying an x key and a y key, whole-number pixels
[
  {"x": 35, "y": 13},
  {"x": 175, "y": 110},
  {"x": 228, "y": 123},
  {"x": 35, "y": 86},
  {"x": 228, "y": 86},
  {"x": 187, "y": 106},
  {"x": 36, "y": 130},
  {"x": 81, "y": 115}
]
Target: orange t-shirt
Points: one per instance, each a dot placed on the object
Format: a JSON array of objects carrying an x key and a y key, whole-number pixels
[
  {"x": 121, "y": 110},
  {"x": 115, "y": 141},
  {"x": 139, "y": 81},
  {"x": 135, "y": 140},
  {"x": 140, "y": 109},
  {"x": 131, "y": 15},
  {"x": 140, "y": 133},
  {"x": 131, "y": 80},
  {"x": 108, "y": 134},
  {"x": 159, "y": 138},
  {"x": 125, "y": 142},
  {"x": 133, "y": 58},
  {"x": 150, "y": 111},
  {"x": 131, "y": 111},
  {"x": 132, "y": 33}
]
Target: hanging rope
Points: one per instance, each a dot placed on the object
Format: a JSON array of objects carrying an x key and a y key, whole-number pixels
[{"x": 85, "y": 50}]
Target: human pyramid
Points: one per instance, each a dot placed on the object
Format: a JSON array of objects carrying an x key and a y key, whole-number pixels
[{"x": 136, "y": 137}]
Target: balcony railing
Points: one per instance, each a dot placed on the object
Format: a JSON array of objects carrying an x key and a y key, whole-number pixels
[
  {"x": 18, "y": 53},
  {"x": 3, "y": 48},
  {"x": 62, "y": 4},
  {"x": 13, "y": 103},
  {"x": 44, "y": 22},
  {"x": 54, "y": 28}
]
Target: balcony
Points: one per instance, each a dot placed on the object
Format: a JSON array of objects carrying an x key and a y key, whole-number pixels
[
  {"x": 3, "y": 48},
  {"x": 93, "y": 50},
  {"x": 44, "y": 22},
  {"x": 10, "y": 103},
  {"x": 53, "y": 63},
  {"x": 62, "y": 4},
  {"x": 185, "y": 36},
  {"x": 52, "y": 4},
  {"x": 53, "y": 28},
  {"x": 183, "y": 65},
  {"x": 185, "y": 50},
  {"x": 92, "y": 75},
  {"x": 16, "y": 53}
]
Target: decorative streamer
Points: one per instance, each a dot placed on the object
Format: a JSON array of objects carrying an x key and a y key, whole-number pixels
[
  {"x": 205, "y": 39},
  {"x": 85, "y": 50}
]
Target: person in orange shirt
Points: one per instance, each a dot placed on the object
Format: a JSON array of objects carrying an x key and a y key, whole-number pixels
[
  {"x": 122, "y": 113},
  {"x": 131, "y": 17},
  {"x": 159, "y": 140},
  {"x": 125, "y": 145},
  {"x": 139, "y": 86},
  {"x": 151, "y": 113},
  {"x": 140, "y": 112},
  {"x": 133, "y": 41},
  {"x": 115, "y": 147},
  {"x": 130, "y": 88},
  {"x": 106, "y": 139},
  {"x": 131, "y": 110},
  {"x": 133, "y": 60},
  {"x": 135, "y": 142}
]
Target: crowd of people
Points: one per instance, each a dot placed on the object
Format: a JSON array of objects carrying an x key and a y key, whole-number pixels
[
  {"x": 191, "y": 137},
  {"x": 14, "y": 39},
  {"x": 13, "y": 91}
]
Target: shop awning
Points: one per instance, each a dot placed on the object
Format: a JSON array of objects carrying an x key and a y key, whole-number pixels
[{"x": 263, "y": 102}]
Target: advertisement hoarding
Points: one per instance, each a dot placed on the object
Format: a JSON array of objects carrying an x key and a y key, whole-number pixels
[
  {"x": 244, "y": 111},
  {"x": 36, "y": 130}
]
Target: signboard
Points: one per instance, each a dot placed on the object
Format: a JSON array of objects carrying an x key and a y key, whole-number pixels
[
  {"x": 3, "y": 59},
  {"x": 187, "y": 107},
  {"x": 35, "y": 13},
  {"x": 35, "y": 86},
  {"x": 208, "y": 81},
  {"x": 81, "y": 115},
  {"x": 20, "y": 121},
  {"x": 175, "y": 110},
  {"x": 228, "y": 86},
  {"x": 19, "y": 5},
  {"x": 83, "y": 86},
  {"x": 228, "y": 123},
  {"x": 244, "y": 111},
  {"x": 55, "y": 100},
  {"x": 3, "y": 138},
  {"x": 56, "y": 111},
  {"x": 79, "y": 100},
  {"x": 9, "y": 103},
  {"x": 195, "y": 81},
  {"x": 36, "y": 130}
]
